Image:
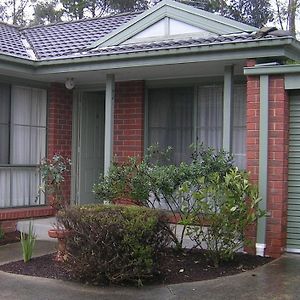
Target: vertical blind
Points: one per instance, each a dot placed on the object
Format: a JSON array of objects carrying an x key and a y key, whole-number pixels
[
  {"x": 171, "y": 119},
  {"x": 23, "y": 144}
]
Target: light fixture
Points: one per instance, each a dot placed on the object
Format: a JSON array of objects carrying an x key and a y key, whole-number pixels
[{"x": 69, "y": 83}]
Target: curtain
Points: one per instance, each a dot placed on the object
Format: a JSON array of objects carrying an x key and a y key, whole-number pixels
[
  {"x": 170, "y": 121},
  {"x": 26, "y": 144},
  {"x": 239, "y": 126},
  {"x": 210, "y": 116}
]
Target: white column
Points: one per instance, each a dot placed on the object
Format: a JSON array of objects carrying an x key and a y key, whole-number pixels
[{"x": 109, "y": 121}]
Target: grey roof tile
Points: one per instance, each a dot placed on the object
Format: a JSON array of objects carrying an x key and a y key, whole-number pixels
[
  {"x": 71, "y": 39},
  {"x": 170, "y": 44},
  {"x": 57, "y": 39},
  {"x": 11, "y": 42}
]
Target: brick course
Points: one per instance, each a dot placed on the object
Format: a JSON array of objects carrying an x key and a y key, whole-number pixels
[
  {"x": 60, "y": 126},
  {"x": 277, "y": 159},
  {"x": 129, "y": 120}
]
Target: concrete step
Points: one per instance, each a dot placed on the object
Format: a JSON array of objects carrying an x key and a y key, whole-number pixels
[{"x": 40, "y": 227}]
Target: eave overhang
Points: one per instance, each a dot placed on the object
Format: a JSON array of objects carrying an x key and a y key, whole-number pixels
[{"x": 285, "y": 47}]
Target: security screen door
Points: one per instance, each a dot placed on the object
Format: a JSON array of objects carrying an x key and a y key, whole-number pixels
[{"x": 91, "y": 143}]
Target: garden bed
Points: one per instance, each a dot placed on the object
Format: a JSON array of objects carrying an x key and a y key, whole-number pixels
[
  {"x": 10, "y": 237},
  {"x": 173, "y": 268}
]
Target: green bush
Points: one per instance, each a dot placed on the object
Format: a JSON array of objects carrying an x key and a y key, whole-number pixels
[
  {"x": 224, "y": 207},
  {"x": 1, "y": 233},
  {"x": 154, "y": 181},
  {"x": 113, "y": 243}
]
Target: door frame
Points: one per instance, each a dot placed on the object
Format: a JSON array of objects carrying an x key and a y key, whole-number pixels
[{"x": 76, "y": 133}]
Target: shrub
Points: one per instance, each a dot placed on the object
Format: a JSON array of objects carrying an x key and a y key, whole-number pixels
[
  {"x": 1, "y": 233},
  {"x": 224, "y": 207},
  {"x": 155, "y": 182},
  {"x": 113, "y": 243}
]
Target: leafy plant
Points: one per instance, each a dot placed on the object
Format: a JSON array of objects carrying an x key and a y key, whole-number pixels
[
  {"x": 113, "y": 243},
  {"x": 224, "y": 206},
  {"x": 155, "y": 182},
  {"x": 28, "y": 243},
  {"x": 53, "y": 172},
  {"x": 1, "y": 233}
]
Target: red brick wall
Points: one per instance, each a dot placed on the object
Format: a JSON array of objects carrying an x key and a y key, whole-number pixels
[
  {"x": 252, "y": 142},
  {"x": 9, "y": 217},
  {"x": 129, "y": 120},
  {"x": 277, "y": 158},
  {"x": 60, "y": 126},
  {"x": 277, "y": 166}
]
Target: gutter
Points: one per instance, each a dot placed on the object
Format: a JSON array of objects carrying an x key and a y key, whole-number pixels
[{"x": 185, "y": 54}]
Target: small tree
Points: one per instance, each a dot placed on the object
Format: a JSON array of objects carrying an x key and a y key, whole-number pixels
[{"x": 53, "y": 171}]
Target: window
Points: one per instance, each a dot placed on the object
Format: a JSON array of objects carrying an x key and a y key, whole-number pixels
[
  {"x": 22, "y": 144},
  {"x": 177, "y": 118},
  {"x": 171, "y": 120}
]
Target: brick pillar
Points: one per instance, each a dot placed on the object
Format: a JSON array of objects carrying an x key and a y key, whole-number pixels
[
  {"x": 60, "y": 126},
  {"x": 277, "y": 166},
  {"x": 252, "y": 142},
  {"x": 277, "y": 158},
  {"x": 129, "y": 120}
]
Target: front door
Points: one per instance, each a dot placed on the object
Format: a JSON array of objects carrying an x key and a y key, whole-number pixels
[{"x": 91, "y": 144}]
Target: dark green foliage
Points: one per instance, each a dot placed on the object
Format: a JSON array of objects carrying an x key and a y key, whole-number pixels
[
  {"x": 138, "y": 180},
  {"x": 128, "y": 5},
  {"x": 1, "y": 233},
  {"x": 225, "y": 205},
  {"x": 46, "y": 12},
  {"x": 255, "y": 12},
  {"x": 113, "y": 243}
]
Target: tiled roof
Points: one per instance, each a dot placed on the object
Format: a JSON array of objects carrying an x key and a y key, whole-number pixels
[
  {"x": 11, "y": 42},
  {"x": 71, "y": 39},
  {"x": 55, "y": 40},
  {"x": 171, "y": 44}
]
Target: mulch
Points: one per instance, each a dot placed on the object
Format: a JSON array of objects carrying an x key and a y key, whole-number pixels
[
  {"x": 174, "y": 267},
  {"x": 9, "y": 238}
]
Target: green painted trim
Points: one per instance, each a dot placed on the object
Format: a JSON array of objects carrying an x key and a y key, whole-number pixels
[
  {"x": 263, "y": 155},
  {"x": 292, "y": 81},
  {"x": 74, "y": 158},
  {"x": 178, "y": 11},
  {"x": 216, "y": 52},
  {"x": 109, "y": 121},
  {"x": 270, "y": 70},
  {"x": 146, "y": 119},
  {"x": 227, "y": 108}
]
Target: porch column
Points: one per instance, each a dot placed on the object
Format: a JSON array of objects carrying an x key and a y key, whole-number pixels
[
  {"x": 109, "y": 121},
  {"x": 227, "y": 108},
  {"x": 263, "y": 162}
]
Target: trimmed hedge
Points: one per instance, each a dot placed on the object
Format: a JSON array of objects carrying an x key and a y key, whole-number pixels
[{"x": 113, "y": 244}]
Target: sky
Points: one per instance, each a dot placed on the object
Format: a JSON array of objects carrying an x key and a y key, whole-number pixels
[{"x": 29, "y": 13}]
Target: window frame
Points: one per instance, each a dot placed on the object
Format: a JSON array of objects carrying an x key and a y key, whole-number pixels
[
  {"x": 195, "y": 84},
  {"x": 26, "y": 167}
]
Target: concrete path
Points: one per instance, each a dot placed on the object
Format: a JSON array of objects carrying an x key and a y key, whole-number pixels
[{"x": 277, "y": 280}]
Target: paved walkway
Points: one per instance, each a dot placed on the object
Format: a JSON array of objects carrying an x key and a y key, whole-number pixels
[{"x": 277, "y": 280}]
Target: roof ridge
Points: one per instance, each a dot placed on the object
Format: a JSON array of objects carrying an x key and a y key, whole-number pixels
[
  {"x": 81, "y": 20},
  {"x": 9, "y": 25}
]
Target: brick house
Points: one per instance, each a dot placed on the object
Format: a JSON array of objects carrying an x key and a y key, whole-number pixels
[{"x": 173, "y": 74}]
